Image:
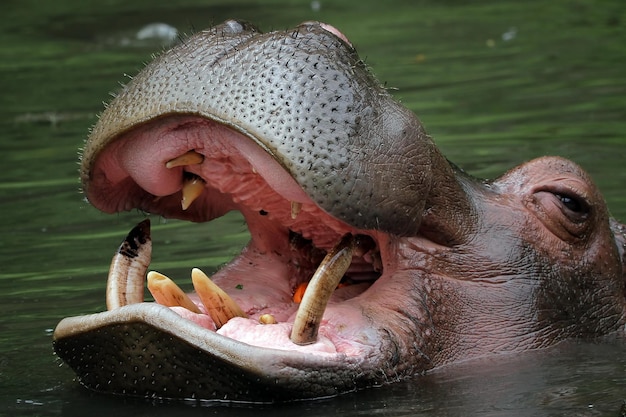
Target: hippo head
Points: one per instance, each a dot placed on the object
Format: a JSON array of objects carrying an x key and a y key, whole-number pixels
[{"x": 408, "y": 263}]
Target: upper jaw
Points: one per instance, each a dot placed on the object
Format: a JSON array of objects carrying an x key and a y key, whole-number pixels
[{"x": 305, "y": 98}]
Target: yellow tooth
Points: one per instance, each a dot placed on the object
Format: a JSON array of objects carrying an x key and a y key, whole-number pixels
[
  {"x": 295, "y": 209},
  {"x": 219, "y": 305},
  {"x": 189, "y": 158},
  {"x": 267, "y": 319},
  {"x": 167, "y": 293},
  {"x": 192, "y": 188},
  {"x": 318, "y": 292}
]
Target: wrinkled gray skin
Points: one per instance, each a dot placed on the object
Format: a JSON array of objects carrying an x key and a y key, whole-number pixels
[{"x": 468, "y": 268}]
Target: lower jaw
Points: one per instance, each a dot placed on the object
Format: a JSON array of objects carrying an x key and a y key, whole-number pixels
[
  {"x": 252, "y": 287},
  {"x": 146, "y": 350}
]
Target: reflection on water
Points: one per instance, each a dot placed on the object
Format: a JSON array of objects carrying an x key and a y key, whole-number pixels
[{"x": 495, "y": 83}]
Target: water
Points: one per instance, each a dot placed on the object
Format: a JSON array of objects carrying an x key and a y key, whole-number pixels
[{"x": 496, "y": 83}]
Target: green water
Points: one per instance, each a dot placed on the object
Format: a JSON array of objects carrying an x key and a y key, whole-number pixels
[{"x": 495, "y": 82}]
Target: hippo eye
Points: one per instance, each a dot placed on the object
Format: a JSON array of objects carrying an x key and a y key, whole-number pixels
[
  {"x": 576, "y": 208},
  {"x": 571, "y": 203}
]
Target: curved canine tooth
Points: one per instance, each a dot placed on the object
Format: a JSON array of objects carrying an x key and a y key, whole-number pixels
[
  {"x": 128, "y": 268},
  {"x": 319, "y": 290},
  {"x": 189, "y": 158},
  {"x": 219, "y": 305},
  {"x": 295, "y": 209},
  {"x": 192, "y": 188},
  {"x": 167, "y": 293}
]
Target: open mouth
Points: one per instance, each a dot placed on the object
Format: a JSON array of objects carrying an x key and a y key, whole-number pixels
[
  {"x": 288, "y": 129},
  {"x": 296, "y": 285}
]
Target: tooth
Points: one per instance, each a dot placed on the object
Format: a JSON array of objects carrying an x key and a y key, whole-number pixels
[
  {"x": 189, "y": 158},
  {"x": 167, "y": 293},
  {"x": 267, "y": 319},
  {"x": 128, "y": 268},
  {"x": 319, "y": 290},
  {"x": 295, "y": 209},
  {"x": 219, "y": 305},
  {"x": 192, "y": 188}
]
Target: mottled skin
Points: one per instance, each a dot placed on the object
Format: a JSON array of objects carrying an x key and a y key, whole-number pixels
[{"x": 465, "y": 267}]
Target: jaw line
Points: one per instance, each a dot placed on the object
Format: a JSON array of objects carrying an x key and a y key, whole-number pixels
[
  {"x": 201, "y": 365},
  {"x": 164, "y": 319}
]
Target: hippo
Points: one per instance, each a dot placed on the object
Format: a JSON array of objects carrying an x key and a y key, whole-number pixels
[{"x": 371, "y": 259}]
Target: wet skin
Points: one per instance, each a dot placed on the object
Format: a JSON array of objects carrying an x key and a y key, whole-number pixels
[{"x": 292, "y": 130}]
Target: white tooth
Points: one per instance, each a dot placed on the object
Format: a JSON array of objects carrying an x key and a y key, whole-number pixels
[
  {"x": 167, "y": 293},
  {"x": 219, "y": 305},
  {"x": 295, "y": 209},
  {"x": 318, "y": 292},
  {"x": 267, "y": 319},
  {"x": 189, "y": 158},
  {"x": 128, "y": 268},
  {"x": 192, "y": 188}
]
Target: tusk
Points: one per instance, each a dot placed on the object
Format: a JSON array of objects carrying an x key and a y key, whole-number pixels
[
  {"x": 189, "y": 158},
  {"x": 219, "y": 305},
  {"x": 128, "y": 268},
  {"x": 167, "y": 293},
  {"x": 319, "y": 290},
  {"x": 295, "y": 209},
  {"x": 192, "y": 188}
]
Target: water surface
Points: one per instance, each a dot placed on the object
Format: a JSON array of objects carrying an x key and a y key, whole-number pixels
[{"x": 495, "y": 82}]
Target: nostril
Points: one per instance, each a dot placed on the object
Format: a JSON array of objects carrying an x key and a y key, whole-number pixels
[
  {"x": 336, "y": 32},
  {"x": 310, "y": 23},
  {"x": 328, "y": 28},
  {"x": 233, "y": 26},
  {"x": 237, "y": 26}
]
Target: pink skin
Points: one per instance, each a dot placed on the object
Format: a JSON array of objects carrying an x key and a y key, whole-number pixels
[{"x": 335, "y": 32}]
